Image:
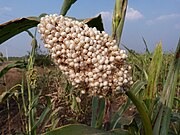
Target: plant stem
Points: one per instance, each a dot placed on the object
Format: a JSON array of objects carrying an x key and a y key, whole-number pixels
[
  {"x": 29, "y": 108},
  {"x": 31, "y": 60},
  {"x": 118, "y": 19},
  {"x": 24, "y": 103}
]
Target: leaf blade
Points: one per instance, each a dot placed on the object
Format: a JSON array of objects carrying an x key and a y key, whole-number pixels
[
  {"x": 66, "y": 6},
  {"x": 16, "y": 26}
]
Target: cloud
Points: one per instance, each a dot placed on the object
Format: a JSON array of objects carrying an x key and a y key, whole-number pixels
[
  {"x": 133, "y": 14},
  {"x": 167, "y": 17},
  {"x": 107, "y": 19},
  {"x": 106, "y": 15},
  {"x": 163, "y": 18}
]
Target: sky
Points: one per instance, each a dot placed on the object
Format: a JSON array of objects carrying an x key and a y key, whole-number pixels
[{"x": 153, "y": 20}]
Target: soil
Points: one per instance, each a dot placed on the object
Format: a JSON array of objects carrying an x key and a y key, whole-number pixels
[
  {"x": 11, "y": 78},
  {"x": 12, "y": 120}
]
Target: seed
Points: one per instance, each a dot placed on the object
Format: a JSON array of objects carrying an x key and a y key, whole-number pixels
[
  {"x": 54, "y": 39},
  {"x": 83, "y": 91},
  {"x": 105, "y": 83},
  {"x": 125, "y": 81},
  {"x": 86, "y": 46},
  {"x": 87, "y": 39},
  {"x": 90, "y": 74},
  {"x": 94, "y": 60},
  {"x": 111, "y": 59},
  {"x": 72, "y": 46},
  {"x": 49, "y": 27},
  {"x": 85, "y": 54},
  {"x": 67, "y": 29},
  {"x": 96, "y": 84},
  {"x": 104, "y": 76},
  {"x": 58, "y": 52},
  {"x": 124, "y": 56},
  {"x": 57, "y": 34},
  {"x": 63, "y": 34}
]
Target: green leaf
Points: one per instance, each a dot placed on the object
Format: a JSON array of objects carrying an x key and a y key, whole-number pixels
[
  {"x": 1, "y": 60},
  {"x": 169, "y": 89},
  {"x": 135, "y": 89},
  {"x": 44, "y": 113},
  {"x": 7, "y": 94},
  {"x": 118, "y": 131},
  {"x": 177, "y": 99},
  {"x": 142, "y": 111},
  {"x": 162, "y": 117},
  {"x": 14, "y": 27},
  {"x": 154, "y": 71},
  {"x": 74, "y": 105},
  {"x": 17, "y": 64},
  {"x": 79, "y": 129},
  {"x": 98, "y": 108},
  {"x": 145, "y": 43},
  {"x": 95, "y": 22},
  {"x": 94, "y": 109},
  {"x": 141, "y": 62},
  {"x": 153, "y": 75},
  {"x": 126, "y": 120},
  {"x": 74, "y": 129},
  {"x": 66, "y": 6}
]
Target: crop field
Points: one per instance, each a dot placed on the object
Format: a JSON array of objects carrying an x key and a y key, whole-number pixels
[{"x": 87, "y": 84}]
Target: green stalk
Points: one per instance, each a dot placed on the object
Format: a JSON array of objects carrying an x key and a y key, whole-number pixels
[
  {"x": 29, "y": 108},
  {"x": 66, "y": 6},
  {"x": 24, "y": 103},
  {"x": 31, "y": 118},
  {"x": 118, "y": 19},
  {"x": 142, "y": 111}
]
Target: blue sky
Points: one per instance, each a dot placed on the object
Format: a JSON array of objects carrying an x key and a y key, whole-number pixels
[{"x": 155, "y": 20}]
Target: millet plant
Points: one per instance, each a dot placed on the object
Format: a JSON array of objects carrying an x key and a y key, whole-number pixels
[{"x": 95, "y": 65}]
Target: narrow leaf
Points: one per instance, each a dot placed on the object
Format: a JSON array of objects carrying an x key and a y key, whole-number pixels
[
  {"x": 14, "y": 27},
  {"x": 95, "y": 22},
  {"x": 142, "y": 111},
  {"x": 135, "y": 89},
  {"x": 153, "y": 75},
  {"x": 118, "y": 131},
  {"x": 162, "y": 117},
  {"x": 44, "y": 113},
  {"x": 154, "y": 71},
  {"x": 17, "y": 64},
  {"x": 169, "y": 90},
  {"x": 74, "y": 129},
  {"x": 4, "y": 96},
  {"x": 145, "y": 43},
  {"x": 7, "y": 94},
  {"x": 94, "y": 109},
  {"x": 66, "y": 6},
  {"x": 98, "y": 108}
]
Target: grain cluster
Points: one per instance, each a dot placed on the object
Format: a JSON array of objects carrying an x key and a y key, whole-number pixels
[{"x": 90, "y": 58}]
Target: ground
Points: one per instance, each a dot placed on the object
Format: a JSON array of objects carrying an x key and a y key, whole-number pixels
[{"x": 12, "y": 119}]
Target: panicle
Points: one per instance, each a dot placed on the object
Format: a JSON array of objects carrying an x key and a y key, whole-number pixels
[{"x": 88, "y": 57}]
